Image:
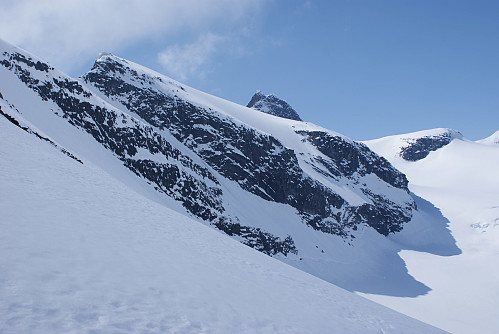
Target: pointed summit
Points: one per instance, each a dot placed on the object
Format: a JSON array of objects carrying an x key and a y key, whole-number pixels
[{"x": 271, "y": 104}]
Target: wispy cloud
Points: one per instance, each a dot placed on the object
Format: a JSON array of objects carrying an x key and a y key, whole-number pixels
[
  {"x": 68, "y": 31},
  {"x": 183, "y": 61}
]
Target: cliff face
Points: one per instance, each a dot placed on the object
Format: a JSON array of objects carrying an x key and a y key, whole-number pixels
[
  {"x": 293, "y": 190},
  {"x": 259, "y": 162}
]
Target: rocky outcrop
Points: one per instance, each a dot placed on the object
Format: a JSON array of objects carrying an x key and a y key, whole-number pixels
[
  {"x": 419, "y": 148},
  {"x": 355, "y": 160},
  {"x": 272, "y": 105},
  {"x": 258, "y": 162},
  {"x": 190, "y": 151},
  {"x": 175, "y": 174}
]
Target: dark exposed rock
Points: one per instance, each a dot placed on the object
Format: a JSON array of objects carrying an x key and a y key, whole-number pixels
[
  {"x": 273, "y": 105},
  {"x": 353, "y": 157},
  {"x": 256, "y": 238},
  {"x": 28, "y": 130},
  {"x": 259, "y": 163},
  {"x": 124, "y": 136},
  {"x": 20, "y": 58},
  {"x": 419, "y": 148},
  {"x": 355, "y": 160},
  {"x": 223, "y": 148},
  {"x": 193, "y": 185}
]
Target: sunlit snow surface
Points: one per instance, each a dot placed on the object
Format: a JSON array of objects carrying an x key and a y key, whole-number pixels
[
  {"x": 369, "y": 263},
  {"x": 94, "y": 246},
  {"x": 492, "y": 140},
  {"x": 462, "y": 180},
  {"x": 82, "y": 253}
]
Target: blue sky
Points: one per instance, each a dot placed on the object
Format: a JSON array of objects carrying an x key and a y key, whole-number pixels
[{"x": 366, "y": 69}]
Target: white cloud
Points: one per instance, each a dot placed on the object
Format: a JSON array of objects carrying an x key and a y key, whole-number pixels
[
  {"x": 68, "y": 31},
  {"x": 183, "y": 61}
]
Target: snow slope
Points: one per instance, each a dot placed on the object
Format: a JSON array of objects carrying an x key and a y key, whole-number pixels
[
  {"x": 368, "y": 263},
  {"x": 462, "y": 180},
  {"x": 82, "y": 253},
  {"x": 94, "y": 124},
  {"x": 493, "y": 139}
]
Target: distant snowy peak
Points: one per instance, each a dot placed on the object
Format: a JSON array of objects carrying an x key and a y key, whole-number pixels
[
  {"x": 417, "y": 145},
  {"x": 492, "y": 140},
  {"x": 418, "y": 148},
  {"x": 271, "y": 104}
]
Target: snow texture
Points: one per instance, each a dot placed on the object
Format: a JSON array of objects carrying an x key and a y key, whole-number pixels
[
  {"x": 221, "y": 163},
  {"x": 128, "y": 235},
  {"x": 82, "y": 253},
  {"x": 462, "y": 180},
  {"x": 492, "y": 140}
]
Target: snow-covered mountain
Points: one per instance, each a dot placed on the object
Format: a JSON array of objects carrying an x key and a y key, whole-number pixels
[
  {"x": 80, "y": 252},
  {"x": 328, "y": 179},
  {"x": 272, "y": 105},
  {"x": 461, "y": 178},
  {"x": 305, "y": 195},
  {"x": 417, "y": 146}
]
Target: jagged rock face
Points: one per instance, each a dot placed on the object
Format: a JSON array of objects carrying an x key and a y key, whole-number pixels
[
  {"x": 125, "y": 136},
  {"x": 189, "y": 151},
  {"x": 273, "y": 105},
  {"x": 180, "y": 178},
  {"x": 258, "y": 162},
  {"x": 356, "y": 160},
  {"x": 419, "y": 148}
]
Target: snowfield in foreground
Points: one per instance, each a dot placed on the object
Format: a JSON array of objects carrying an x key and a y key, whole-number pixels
[
  {"x": 81, "y": 253},
  {"x": 462, "y": 180}
]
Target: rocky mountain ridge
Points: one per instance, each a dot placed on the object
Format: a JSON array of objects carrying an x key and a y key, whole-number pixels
[
  {"x": 259, "y": 163},
  {"x": 287, "y": 188}
]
